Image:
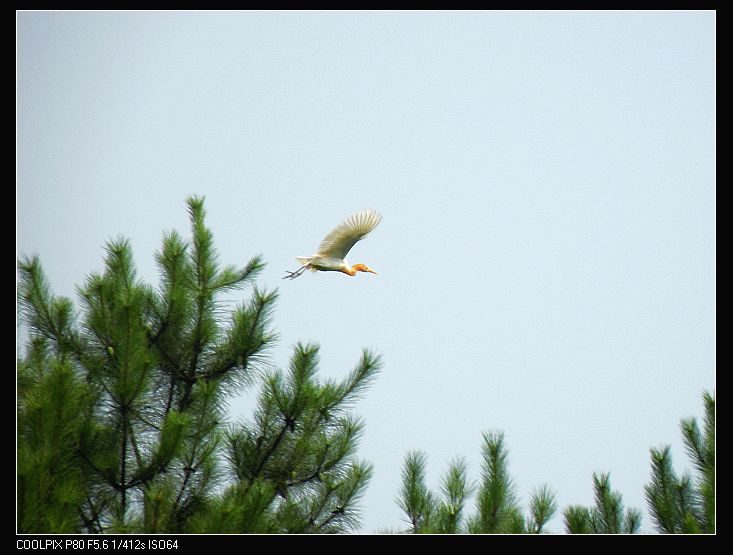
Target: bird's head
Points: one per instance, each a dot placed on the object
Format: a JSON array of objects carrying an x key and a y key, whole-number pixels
[{"x": 362, "y": 268}]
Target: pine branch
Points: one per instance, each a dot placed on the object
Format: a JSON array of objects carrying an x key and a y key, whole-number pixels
[
  {"x": 496, "y": 497},
  {"x": 606, "y": 516},
  {"x": 123, "y": 463},
  {"x": 542, "y": 507},
  {"x": 675, "y": 504},
  {"x": 455, "y": 491},
  {"x": 247, "y": 337},
  {"x": 577, "y": 520},
  {"x": 632, "y": 521},
  {"x": 270, "y": 450},
  {"x": 348, "y": 492},
  {"x": 231, "y": 277},
  {"x": 659, "y": 491},
  {"x": 205, "y": 403},
  {"x": 415, "y": 500},
  {"x": 358, "y": 380},
  {"x": 50, "y": 317}
]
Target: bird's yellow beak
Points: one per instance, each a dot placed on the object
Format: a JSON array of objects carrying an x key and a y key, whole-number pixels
[{"x": 371, "y": 271}]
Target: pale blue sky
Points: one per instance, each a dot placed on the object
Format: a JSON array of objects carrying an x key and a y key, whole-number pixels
[{"x": 547, "y": 180}]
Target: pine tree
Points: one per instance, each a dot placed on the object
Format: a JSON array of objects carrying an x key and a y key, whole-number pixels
[
  {"x": 51, "y": 483},
  {"x": 497, "y": 509},
  {"x": 121, "y": 408},
  {"x": 679, "y": 505},
  {"x": 607, "y": 516},
  {"x": 293, "y": 459},
  {"x": 426, "y": 512}
]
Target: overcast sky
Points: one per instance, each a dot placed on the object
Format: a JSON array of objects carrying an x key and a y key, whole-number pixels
[{"x": 547, "y": 180}]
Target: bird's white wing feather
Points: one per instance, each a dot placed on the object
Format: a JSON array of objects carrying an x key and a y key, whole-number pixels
[{"x": 354, "y": 228}]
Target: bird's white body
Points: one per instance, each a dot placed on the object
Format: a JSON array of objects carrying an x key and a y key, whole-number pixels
[
  {"x": 324, "y": 263},
  {"x": 335, "y": 246}
]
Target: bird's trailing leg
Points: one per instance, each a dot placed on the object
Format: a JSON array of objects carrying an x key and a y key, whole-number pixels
[{"x": 296, "y": 273}]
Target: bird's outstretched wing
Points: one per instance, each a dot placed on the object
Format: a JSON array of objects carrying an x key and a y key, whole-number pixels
[{"x": 354, "y": 228}]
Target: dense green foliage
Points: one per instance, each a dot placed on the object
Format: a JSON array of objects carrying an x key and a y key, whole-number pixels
[
  {"x": 607, "y": 516},
  {"x": 679, "y": 505},
  {"x": 497, "y": 509},
  {"x": 121, "y": 407}
]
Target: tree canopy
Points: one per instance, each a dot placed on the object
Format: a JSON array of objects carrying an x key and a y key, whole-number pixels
[{"x": 121, "y": 423}]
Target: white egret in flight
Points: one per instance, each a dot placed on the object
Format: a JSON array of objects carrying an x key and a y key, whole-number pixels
[{"x": 332, "y": 251}]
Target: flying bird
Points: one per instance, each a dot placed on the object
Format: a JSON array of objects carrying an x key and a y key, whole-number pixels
[{"x": 332, "y": 251}]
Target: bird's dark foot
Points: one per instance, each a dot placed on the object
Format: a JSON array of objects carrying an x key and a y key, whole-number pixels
[{"x": 295, "y": 274}]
